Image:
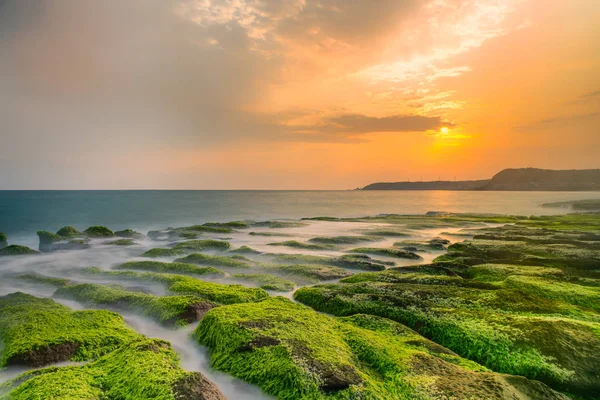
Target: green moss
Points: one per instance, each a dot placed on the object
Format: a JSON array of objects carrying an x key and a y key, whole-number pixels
[
  {"x": 268, "y": 234},
  {"x": 181, "y": 284},
  {"x": 245, "y": 250},
  {"x": 506, "y": 330},
  {"x": 167, "y": 310},
  {"x": 98, "y": 231},
  {"x": 16, "y": 250},
  {"x": 188, "y": 235},
  {"x": 68, "y": 232},
  {"x": 232, "y": 224},
  {"x": 333, "y": 240},
  {"x": 267, "y": 281},
  {"x": 121, "y": 242},
  {"x": 423, "y": 245},
  {"x": 37, "y": 331},
  {"x": 387, "y": 252},
  {"x": 305, "y": 246},
  {"x": 146, "y": 369},
  {"x": 307, "y": 271},
  {"x": 279, "y": 224},
  {"x": 292, "y": 352},
  {"x": 221, "y": 261},
  {"x": 129, "y": 234},
  {"x": 171, "y": 268},
  {"x": 499, "y": 272},
  {"x": 47, "y": 280},
  {"x": 161, "y": 252},
  {"x": 200, "y": 245}
]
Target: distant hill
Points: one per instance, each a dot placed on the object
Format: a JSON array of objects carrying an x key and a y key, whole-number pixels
[
  {"x": 434, "y": 185},
  {"x": 525, "y": 179}
]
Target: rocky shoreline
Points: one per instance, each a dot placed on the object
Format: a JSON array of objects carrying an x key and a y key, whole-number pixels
[{"x": 454, "y": 306}]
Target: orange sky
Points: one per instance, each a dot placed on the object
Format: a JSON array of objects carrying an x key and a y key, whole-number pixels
[{"x": 296, "y": 94}]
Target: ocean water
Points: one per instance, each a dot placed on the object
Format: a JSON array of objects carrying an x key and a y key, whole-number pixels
[{"x": 22, "y": 213}]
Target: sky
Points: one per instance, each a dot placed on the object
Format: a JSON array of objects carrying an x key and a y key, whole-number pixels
[{"x": 293, "y": 94}]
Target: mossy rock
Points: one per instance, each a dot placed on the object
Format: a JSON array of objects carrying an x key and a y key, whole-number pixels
[
  {"x": 129, "y": 234},
  {"x": 145, "y": 369},
  {"x": 220, "y": 261},
  {"x": 99, "y": 232},
  {"x": 16, "y": 250},
  {"x": 46, "y": 280},
  {"x": 167, "y": 310},
  {"x": 121, "y": 242},
  {"x": 279, "y": 224},
  {"x": 304, "y": 246},
  {"x": 507, "y": 330},
  {"x": 161, "y": 252},
  {"x": 47, "y": 239},
  {"x": 231, "y": 224},
  {"x": 267, "y": 282},
  {"x": 245, "y": 250},
  {"x": 342, "y": 240},
  {"x": 201, "y": 245},
  {"x": 268, "y": 234},
  {"x": 349, "y": 261},
  {"x": 387, "y": 252},
  {"x": 292, "y": 352},
  {"x": 436, "y": 244},
  {"x": 68, "y": 232},
  {"x": 170, "y": 268},
  {"x": 186, "y": 285},
  {"x": 37, "y": 332},
  {"x": 3, "y": 240},
  {"x": 306, "y": 273}
]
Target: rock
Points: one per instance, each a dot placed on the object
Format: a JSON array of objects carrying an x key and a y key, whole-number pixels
[
  {"x": 16, "y": 250},
  {"x": 3, "y": 240},
  {"x": 98, "y": 232}
]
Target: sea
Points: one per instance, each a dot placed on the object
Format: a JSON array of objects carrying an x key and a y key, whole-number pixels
[{"x": 23, "y": 213}]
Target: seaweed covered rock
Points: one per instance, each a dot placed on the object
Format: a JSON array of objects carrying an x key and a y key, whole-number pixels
[
  {"x": 304, "y": 246},
  {"x": 3, "y": 240},
  {"x": 145, "y": 369},
  {"x": 267, "y": 281},
  {"x": 388, "y": 252},
  {"x": 121, "y": 242},
  {"x": 16, "y": 250},
  {"x": 167, "y": 310},
  {"x": 47, "y": 239},
  {"x": 170, "y": 268},
  {"x": 506, "y": 329},
  {"x": 200, "y": 245},
  {"x": 220, "y": 261},
  {"x": 37, "y": 332},
  {"x": 68, "y": 232},
  {"x": 343, "y": 240},
  {"x": 161, "y": 252},
  {"x": 129, "y": 234},
  {"x": 181, "y": 284},
  {"x": 99, "y": 232},
  {"x": 349, "y": 261},
  {"x": 292, "y": 352}
]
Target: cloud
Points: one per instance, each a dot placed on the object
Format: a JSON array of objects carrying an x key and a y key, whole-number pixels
[
  {"x": 591, "y": 95},
  {"x": 360, "y": 124},
  {"x": 566, "y": 121}
]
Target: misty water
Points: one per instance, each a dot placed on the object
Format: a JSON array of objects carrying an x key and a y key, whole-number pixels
[{"x": 23, "y": 213}]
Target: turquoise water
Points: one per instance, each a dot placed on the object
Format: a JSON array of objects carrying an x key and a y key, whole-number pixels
[{"x": 22, "y": 213}]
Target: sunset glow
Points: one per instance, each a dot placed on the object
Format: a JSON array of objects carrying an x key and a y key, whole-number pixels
[{"x": 253, "y": 94}]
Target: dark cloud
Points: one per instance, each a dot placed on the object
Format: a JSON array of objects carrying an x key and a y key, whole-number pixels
[{"x": 358, "y": 123}]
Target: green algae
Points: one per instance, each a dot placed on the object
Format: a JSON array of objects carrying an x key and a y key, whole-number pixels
[
  {"x": 221, "y": 261},
  {"x": 387, "y": 252},
  {"x": 37, "y": 332},
  {"x": 231, "y": 224},
  {"x": 349, "y": 261},
  {"x": 273, "y": 344},
  {"x": 200, "y": 245},
  {"x": 167, "y": 310},
  {"x": 245, "y": 250},
  {"x": 98, "y": 232},
  {"x": 172, "y": 268},
  {"x": 435, "y": 244},
  {"x": 162, "y": 252},
  {"x": 181, "y": 284},
  {"x": 267, "y": 282},
  {"x": 337, "y": 240},
  {"x": 307, "y": 273},
  {"x": 146, "y": 369},
  {"x": 279, "y": 224},
  {"x": 129, "y": 234},
  {"x": 121, "y": 242},
  {"x": 46, "y": 280},
  {"x": 16, "y": 250},
  {"x": 384, "y": 232},
  {"x": 304, "y": 246},
  {"x": 506, "y": 330},
  {"x": 68, "y": 232},
  {"x": 268, "y": 234}
]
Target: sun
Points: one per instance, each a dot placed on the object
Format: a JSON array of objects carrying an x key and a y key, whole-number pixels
[{"x": 444, "y": 130}]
